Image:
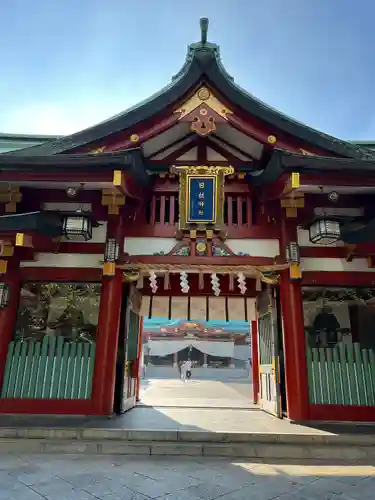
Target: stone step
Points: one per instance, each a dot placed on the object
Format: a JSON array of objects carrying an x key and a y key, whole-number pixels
[{"x": 321, "y": 446}]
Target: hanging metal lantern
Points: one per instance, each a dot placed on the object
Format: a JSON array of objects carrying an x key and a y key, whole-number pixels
[
  {"x": 292, "y": 254},
  {"x": 77, "y": 227},
  {"x": 4, "y": 295},
  {"x": 112, "y": 250},
  {"x": 324, "y": 231}
]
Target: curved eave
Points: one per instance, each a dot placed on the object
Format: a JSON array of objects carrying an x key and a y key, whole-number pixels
[
  {"x": 129, "y": 161},
  {"x": 202, "y": 64},
  {"x": 47, "y": 224},
  {"x": 282, "y": 162}
]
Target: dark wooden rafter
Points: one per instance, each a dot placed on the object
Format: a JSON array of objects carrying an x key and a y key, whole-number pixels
[
  {"x": 172, "y": 157},
  {"x": 178, "y": 163},
  {"x": 202, "y": 151},
  {"x": 232, "y": 159},
  {"x": 144, "y": 132},
  {"x": 234, "y": 148},
  {"x": 170, "y": 145},
  {"x": 260, "y": 134}
]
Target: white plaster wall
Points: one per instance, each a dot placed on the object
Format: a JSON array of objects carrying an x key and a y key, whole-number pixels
[
  {"x": 327, "y": 264},
  {"x": 148, "y": 246},
  {"x": 65, "y": 260},
  {"x": 254, "y": 247},
  {"x": 303, "y": 240},
  {"x": 99, "y": 234}
]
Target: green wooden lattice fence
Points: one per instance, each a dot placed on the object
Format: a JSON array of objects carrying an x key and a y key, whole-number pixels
[
  {"x": 51, "y": 369},
  {"x": 343, "y": 375}
]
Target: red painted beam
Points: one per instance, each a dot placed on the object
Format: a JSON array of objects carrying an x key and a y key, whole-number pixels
[
  {"x": 342, "y": 413},
  {"x": 267, "y": 231},
  {"x": 217, "y": 261},
  {"x": 66, "y": 177},
  {"x": 339, "y": 179},
  {"x": 47, "y": 406},
  {"x": 60, "y": 274},
  {"x": 143, "y": 133}
]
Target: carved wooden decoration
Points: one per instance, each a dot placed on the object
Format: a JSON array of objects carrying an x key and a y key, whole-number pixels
[{"x": 203, "y": 110}]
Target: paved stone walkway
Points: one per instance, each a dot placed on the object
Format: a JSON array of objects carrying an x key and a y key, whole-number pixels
[
  {"x": 195, "y": 393},
  {"x": 130, "y": 478}
]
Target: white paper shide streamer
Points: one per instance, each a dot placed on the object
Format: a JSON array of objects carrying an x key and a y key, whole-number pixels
[
  {"x": 215, "y": 284},
  {"x": 184, "y": 282},
  {"x": 153, "y": 282},
  {"x": 241, "y": 280}
]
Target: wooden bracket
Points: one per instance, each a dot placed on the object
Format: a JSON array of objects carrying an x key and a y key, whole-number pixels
[
  {"x": 24, "y": 240},
  {"x": 350, "y": 249},
  {"x": 114, "y": 198},
  {"x": 6, "y": 249},
  {"x": 3, "y": 266},
  {"x": 10, "y": 196},
  {"x": 292, "y": 203}
]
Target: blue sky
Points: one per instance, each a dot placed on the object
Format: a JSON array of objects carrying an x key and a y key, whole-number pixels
[{"x": 66, "y": 65}]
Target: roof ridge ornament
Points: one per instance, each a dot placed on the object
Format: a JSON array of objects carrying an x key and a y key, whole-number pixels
[{"x": 204, "y": 22}]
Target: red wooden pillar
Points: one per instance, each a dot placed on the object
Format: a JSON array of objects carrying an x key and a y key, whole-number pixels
[
  {"x": 106, "y": 344},
  {"x": 107, "y": 332},
  {"x": 255, "y": 360},
  {"x": 294, "y": 349},
  {"x": 8, "y": 315},
  {"x": 294, "y": 336}
]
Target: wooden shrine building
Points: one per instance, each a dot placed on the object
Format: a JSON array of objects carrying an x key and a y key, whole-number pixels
[{"x": 203, "y": 204}]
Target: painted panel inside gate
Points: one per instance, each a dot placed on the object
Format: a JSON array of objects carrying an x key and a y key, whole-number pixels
[{"x": 206, "y": 343}]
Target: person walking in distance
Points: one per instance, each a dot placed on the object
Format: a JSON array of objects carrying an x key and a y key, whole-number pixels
[
  {"x": 188, "y": 368},
  {"x": 183, "y": 371}
]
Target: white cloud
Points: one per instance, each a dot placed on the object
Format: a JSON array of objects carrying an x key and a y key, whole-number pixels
[{"x": 55, "y": 119}]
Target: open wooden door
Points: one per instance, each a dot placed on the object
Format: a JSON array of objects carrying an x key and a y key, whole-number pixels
[
  {"x": 127, "y": 369},
  {"x": 269, "y": 373}
]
